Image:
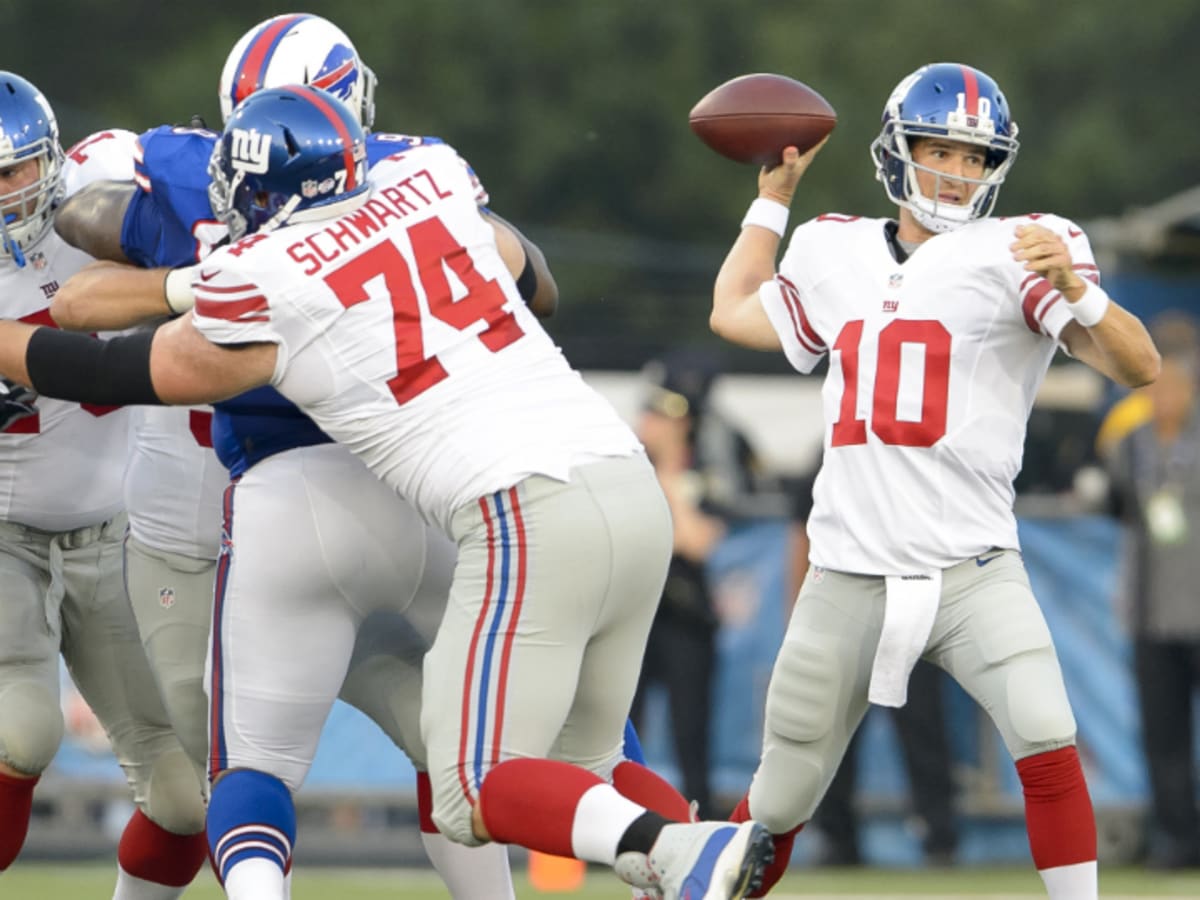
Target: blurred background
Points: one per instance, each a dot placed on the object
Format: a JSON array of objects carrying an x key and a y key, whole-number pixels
[{"x": 575, "y": 117}]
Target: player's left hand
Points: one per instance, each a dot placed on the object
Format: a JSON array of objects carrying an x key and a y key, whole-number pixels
[
  {"x": 16, "y": 402},
  {"x": 1045, "y": 252}
]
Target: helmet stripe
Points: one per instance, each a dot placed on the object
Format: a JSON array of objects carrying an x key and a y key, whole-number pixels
[
  {"x": 317, "y": 98},
  {"x": 971, "y": 85},
  {"x": 249, "y": 75}
]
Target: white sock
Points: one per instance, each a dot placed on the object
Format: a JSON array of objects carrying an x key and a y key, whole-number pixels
[
  {"x": 287, "y": 885},
  {"x": 1079, "y": 881},
  {"x": 471, "y": 873},
  {"x": 255, "y": 878},
  {"x": 130, "y": 887},
  {"x": 601, "y": 817}
]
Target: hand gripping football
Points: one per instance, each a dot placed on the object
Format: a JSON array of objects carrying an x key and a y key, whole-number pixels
[{"x": 750, "y": 119}]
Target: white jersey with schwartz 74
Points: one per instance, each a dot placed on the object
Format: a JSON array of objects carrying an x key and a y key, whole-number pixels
[{"x": 472, "y": 394}]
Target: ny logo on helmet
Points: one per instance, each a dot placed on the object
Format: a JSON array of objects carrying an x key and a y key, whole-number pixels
[{"x": 249, "y": 151}]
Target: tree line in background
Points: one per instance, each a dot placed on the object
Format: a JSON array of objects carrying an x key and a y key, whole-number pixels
[{"x": 575, "y": 113}]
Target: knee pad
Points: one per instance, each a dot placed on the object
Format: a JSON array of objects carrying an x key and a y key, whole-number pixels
[
  {"x": 802, "y": 698},
  {"x": 175, "y": 795},
  {"x": 31, "y": 727},
  {"x": 1034, "y": 700},
  {"x": 1037, "y": 704}
]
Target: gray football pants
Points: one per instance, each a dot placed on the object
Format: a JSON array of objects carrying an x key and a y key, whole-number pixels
[
  {"x": 65, "y": 593},
  {"x": 989, "y": 635},
  {"x": 540, "y": 648}
]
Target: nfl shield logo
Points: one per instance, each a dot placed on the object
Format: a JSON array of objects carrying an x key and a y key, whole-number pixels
[
  {"x": 896, "y": 280},
  {"x": 166, "y": 597}
]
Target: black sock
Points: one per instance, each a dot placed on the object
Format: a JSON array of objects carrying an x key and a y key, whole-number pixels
[{"x": 641, "y": 833}]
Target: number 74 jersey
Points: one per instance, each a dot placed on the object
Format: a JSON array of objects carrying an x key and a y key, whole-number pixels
[
  {"x": 402, "y": 334},
  {"x": 933, "y": 369}
]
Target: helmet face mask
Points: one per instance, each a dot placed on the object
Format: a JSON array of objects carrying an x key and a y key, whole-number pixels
[
  {"x": 28, "y": 131},
  {"x": 298, "y": 49},
  {"x": 957, "y": 103},
  {"x": 287, "y": 155}
]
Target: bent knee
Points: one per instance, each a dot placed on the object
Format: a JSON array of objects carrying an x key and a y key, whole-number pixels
[
  {"x": 781, "y": 802},
  {"x": 31, "y": 727},
  {"x": 175, "y": 795}
]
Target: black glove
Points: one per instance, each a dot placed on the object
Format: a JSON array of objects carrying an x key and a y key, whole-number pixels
[{"x": 16, "y": 402}]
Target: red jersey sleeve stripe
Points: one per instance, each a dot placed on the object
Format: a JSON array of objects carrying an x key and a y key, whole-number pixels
[
  {"x": 248, "y": 309},
  {"x": 808, "y": 338},
  {"x": 1036, "y": 294}
]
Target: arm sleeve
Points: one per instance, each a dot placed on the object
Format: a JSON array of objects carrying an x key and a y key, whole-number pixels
[
  {"x": 1045, "y": 309},
  {"x": 785, "y": 308}
]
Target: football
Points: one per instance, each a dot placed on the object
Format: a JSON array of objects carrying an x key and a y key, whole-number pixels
[{"x": 750, "y": 119}]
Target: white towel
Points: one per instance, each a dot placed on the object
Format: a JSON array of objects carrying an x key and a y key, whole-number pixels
[{"x": 910, "y": 606}]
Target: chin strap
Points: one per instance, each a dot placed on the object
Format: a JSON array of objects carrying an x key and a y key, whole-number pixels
[{"x": 13, "y": 248}]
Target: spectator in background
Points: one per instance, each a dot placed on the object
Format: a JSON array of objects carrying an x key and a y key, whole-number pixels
[
  {"x": 707, "y": 470},
  {"x": 920, "y": 728},
  {"x": 1155, "y": 473}
]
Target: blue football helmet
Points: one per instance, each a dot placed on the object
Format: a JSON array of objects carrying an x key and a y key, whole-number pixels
[
  {"x": 951, "y": 101},
  {"x": 298, "y": 48},
  {"x": 28, "y": 130},
  {"x": 290, "y": 154}
]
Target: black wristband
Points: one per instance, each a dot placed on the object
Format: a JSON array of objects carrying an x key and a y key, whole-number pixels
[
  {"x": 527, "y": 283},
  {"x": 73, "y": 366}
]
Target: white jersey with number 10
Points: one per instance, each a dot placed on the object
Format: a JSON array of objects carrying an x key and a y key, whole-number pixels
[
  {"x": 402, "y": 335},
  {"x": 934, "y": 366}
]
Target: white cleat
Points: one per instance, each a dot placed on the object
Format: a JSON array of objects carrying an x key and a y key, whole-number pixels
[{"x": 710, "y": 860}]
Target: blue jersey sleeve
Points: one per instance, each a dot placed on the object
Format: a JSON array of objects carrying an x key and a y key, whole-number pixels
[{"x": 169, "y": 221}]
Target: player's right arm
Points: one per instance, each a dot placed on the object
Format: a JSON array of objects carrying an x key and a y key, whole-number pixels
[
  {"x": 91, "y": 219},
  {"x": 737, "y": 314}
]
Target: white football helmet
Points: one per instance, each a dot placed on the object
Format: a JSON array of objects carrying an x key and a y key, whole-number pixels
[
  {"x": 298, "y": 48},
  {"x": 28, "y": 130}
]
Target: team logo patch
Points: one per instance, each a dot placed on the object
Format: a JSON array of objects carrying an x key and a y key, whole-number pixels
[
  {"x": 166, "y": 597},
  {"x": 890, "y": 306},
  {"x": 338, "y": 73},
  {"x": 249, "y": 151}
]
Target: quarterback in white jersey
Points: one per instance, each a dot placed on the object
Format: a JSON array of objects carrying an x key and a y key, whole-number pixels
[
  {"x": 61, "y": 529},
  {"x": 939, "y": 326},
  {"x": 386, "y": 311}
]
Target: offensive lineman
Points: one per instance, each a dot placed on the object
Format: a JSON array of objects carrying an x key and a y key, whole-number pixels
[
  {"x": 941, "y": 325},
  {"x": 385, "y": 309},
  {"x": 168, "y": 220},
  {"x": 61, "y": 529},
  {"x": 294, "y": 491}
]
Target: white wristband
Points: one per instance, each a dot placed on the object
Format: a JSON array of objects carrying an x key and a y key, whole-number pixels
[
  {"x": 1089, "y": 309},
  {"x": 177, "y": 288},
  {"x": 767, "y": 214}
]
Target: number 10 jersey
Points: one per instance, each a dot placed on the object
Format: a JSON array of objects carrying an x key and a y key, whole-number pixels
[{"x": 934, "y": 366}]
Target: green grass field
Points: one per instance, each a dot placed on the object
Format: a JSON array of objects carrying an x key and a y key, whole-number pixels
[{"x": 64, "y": 881}]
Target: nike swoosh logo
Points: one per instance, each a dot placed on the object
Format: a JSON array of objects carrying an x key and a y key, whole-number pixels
[
  {"x": 1073, "y": 232},
  {"x": 208, "y": 276},
  {"x": 981, "y": 561}
]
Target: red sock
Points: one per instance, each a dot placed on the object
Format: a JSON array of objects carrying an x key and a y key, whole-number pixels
[
  {"x": 16, "y": 806},
  {"x": 783, "y": 849},
  {"x": 1058, "y": 810},
  {"x": 425, "y": 803},
  {"x": 151, "y": 853},
  {"x": 647, "y": 788},
  {"x": 531, "y": 802}
]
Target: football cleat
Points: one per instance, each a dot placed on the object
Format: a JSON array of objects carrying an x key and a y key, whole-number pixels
[{"x": 710, "y": 860}]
